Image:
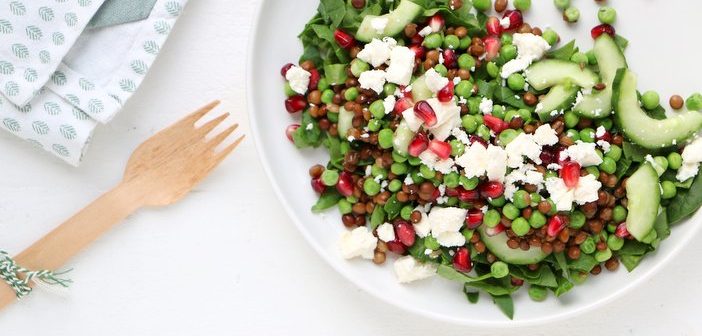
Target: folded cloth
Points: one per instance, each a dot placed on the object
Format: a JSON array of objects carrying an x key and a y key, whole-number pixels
[{"x": 56, "y": 96}]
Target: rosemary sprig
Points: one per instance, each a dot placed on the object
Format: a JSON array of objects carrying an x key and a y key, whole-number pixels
[{"x": 11, "y": 273}]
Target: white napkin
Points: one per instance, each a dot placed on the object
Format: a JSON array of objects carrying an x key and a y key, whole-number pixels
[{"x": 57, "y": 82}]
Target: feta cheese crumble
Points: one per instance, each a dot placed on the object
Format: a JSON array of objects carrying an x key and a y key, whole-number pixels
[
  {"x": 563, "y": 197},
  {"x": 485, "y": 106},
  {"x": 446, "y": 224},
  {"x": 379, "y": 24},
  {"x": 434, "y": 80},
  {"x": 377, "y": 52},
  {"x": 358, "y": 243},
  {"x": 401, "y": 66},
  {"x": 432, "y": 161},
  {"x": 386, "y": 232},
  {"x": 545, "y": 135},
  {"x": 408, "y": 269},
  {"x": 372, "y": 80},
  {"x": 298, "y": 78},
  {"x": 425, "y": 31},
  {"x": 583, "y": 153},
  {"x": 478, "y": 161},
  {"x": 522, "y": 145},
  {"x": 530, "y": 48},
  {"x": 422, "y": 228},
  {"x": 389, "y": 104},
  {"x": 692, "y": 156}
]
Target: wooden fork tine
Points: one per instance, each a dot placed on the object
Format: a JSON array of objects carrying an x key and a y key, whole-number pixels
[
  {"x": 219, "y": 138},
  {"x": 210, "y": 125},
  {"x": 226, "y": 151},
  {"x": 197, "y": 115}
]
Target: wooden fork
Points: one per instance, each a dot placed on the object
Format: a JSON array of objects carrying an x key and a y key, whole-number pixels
[{"x": 161, "y": 171}]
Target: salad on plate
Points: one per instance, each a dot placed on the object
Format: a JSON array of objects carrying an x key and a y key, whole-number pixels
[{"x": 465, "y": 143}]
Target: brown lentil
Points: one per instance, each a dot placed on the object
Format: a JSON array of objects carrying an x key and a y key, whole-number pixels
[
  {"x": 500, "y": 5},
  {"x": 600, "y": 86},
  {"x": 676, "y": 102},
  {"x": 530, "y": 99},
  {"x": 307, "y": 65},
  {"x": 596, "y": 270},
  {"x": 461, "y": 32},
  {"x": 612, "y": 264},
  {"x": 348, "y": 220},
  {"x": 316, "y": 171},
  {"x": 479, "y": 247},
  {"x": 546, "y": 247},
  {"x": 544, "y": 207},
  {"x": 574, "y": 252},
  {"x": 379, "y": 258},
  {"x": 524, "y": 29}
]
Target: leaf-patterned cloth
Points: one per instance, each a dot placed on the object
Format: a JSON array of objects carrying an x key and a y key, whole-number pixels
[{"x": 55, "y": 97}]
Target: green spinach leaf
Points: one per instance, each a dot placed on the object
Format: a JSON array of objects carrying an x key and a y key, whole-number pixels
[
  {"x": 505, "y": 303},
  {"x": 565, "y": 52},
  {"x": 686, "y": 202},
  {"x": 328, "y": 199},
  {"x": 332, "y": 11}
]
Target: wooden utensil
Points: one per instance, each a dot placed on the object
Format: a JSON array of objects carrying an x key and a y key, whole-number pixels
[{"x": 160, "y": 172}]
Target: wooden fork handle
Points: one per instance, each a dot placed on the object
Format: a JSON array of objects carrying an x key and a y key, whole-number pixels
[{"x": 55, "y": 249}]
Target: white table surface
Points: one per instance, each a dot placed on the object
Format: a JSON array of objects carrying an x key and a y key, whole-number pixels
[{"x": 227, "y": 260}]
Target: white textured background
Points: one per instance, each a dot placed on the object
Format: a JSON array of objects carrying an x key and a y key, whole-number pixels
[{"x": 227, "y": 260}]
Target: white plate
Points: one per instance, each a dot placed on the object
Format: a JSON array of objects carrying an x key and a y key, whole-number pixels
[{"x": 665, "y": 61}]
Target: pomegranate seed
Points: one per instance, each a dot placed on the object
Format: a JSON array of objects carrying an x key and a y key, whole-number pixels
[
  {"x": 290, "y": 130},
  {"x": 406, "y": 93},
  {"x": 548, "y": 155},
  {"x": 295, "y": 103},
  {"x": 452, "y": 192},
  {"x": 435, "y": 195},
  {"x": 418, "y": 50},
  {"x": 314, "y": 79},
  {"x": 418, "y": 144},
  {"x": 570, "y": 173},
  {"x": 493, "y": 26},
  {"x": 621, "y": 231},
  {"x": 405, "y": 232},
  {"x": 495, "y": 124},
  {"x": 516, "y": 19},
  {"x": 425, "y": 112},
  {"x": 517, "y": 282},
  {"x": 461, "y": 260},
  {"x": 468, "y": 195},
  {"x": 492, "y": 189},
  {"x": 450, "y": 58},
  {"x": 402, "y": 105},
  {"x": 436, "y": 22},
  {"x": 345, "y": 184},
  {"x": 492, "y": 47},
  {"x": 396, "y": 247},
  {"x": 495, "y": 230},
  {"x": 285, "y": 68},
  {"x": 344, "y": 39},
  {"x": 556, "y": 224},
  {"x": 442, "y": 149},
  {"x": 317, "y": 185},
  {"x": 417, "y": 39},
  {"x": 474, "y": 138},
  {"x": 602, "y": 29},
  {"x": 445, "y": 95},
  {"x": 606, "y": 136},
  {"x": 474, "y": 218}
]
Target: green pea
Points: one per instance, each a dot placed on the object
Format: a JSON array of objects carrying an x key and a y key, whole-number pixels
[
  {"x": 562, "y": 4},
  {"x": 602, "y": 256},
  {"x": 406, "y": 212},
  {"x": 538, "y": 293},
  {"x": 615, "y": 153},
  {"x": 466, "y": 62},
  {"x": 492, "y": 218},
  {"x": 509, "y": 115},
  {"x": 537, "y": 220},
  {"x": 520, "y": 226},
  {"x": 615, "y": 243},
  {"x": 395, "y": 185},
  {"x": 398, "y": 168},
  {"x": 525, "y": 114},
  {"x": 607, "y": 15},
  {"x": 345, "y": 147},
  {"x": 327, "y": 96},
  {"x": 611, "y": 228},
  {"x": 499, "y": 269},
  {"x": 507, "y": 136},
  {"x": 351, "y": 93},
  {"x": 516, "y": 82},
  {"x": 426, "y": 172},
  {"x": 535, "y": 198},
  {"x": 553, "y": 210},
  {"x": 385, "y": 138},
  {"x": 619, "y": 213},
  {"x": 483, "y": 132},
  {"x": 650, "y": 100},
  {"x": 550, "y": 36},
  {"x": 374, "y": 125},
  {"x": 371, "y": 187},
  {"x": 608, "y": 165},
  {"x": 669, "y": 189},
  {"x": 433, "y": 41},
  {"x": 674, "y": 160},
  {"x": 465, "y": 43},
  {"x": 464, "y": 89},
  {"x": 289, "y": 92},
  {"x": 579, "y": 58},
  {"x": 587, "y": 135},
  {"x": 377, "y": 109},
  {"x": 469, "y": 123},
  {"x": 592, "y": 170},
  {"x": 431, "y": 243},
  {"x": 457, "y": 147},
  {"x": 397, "y": 157},
  {"x": 577, "y": 219},
  {"x": 571, "y": 119},
  {"x": 358, "y": 66},
  {"x": 330, "y": 177},
  {"x": 694, "y": 102},
  {"x": 414, "y": 161},
  {"x": 499, "y": 111},
  {"x": 521, "y": 199},
  {"x": 572, "y": 14},
  {"x": 323, "y": 84},
  {"x": 492, "y": 69},
  {"x": 389, "y": 89},
  {"x": 573, "y": 134},
  {"x": 588, "y": 246},
  {"x": 482, "y": 5},
  {"x": 662, "y": 162},
  {"x": 510, "y": 211},
  {"x": 345, "y": 206},
  {"x": 474, "y": 105},
  {"x": 441, "y": 69},
  {"x": 506, "y": 39},
  {"x": 498, "y": 202},
  {"x": 591, "y": 58},
  {"x": 469, "y": 183},
  {"x": 508, "y": 51},
  {"x": 522, "y": 5},
  {"x": 352, "y": 200},
  {"x": 451, "y": 42},
  {"x": 451, "y": 180}
]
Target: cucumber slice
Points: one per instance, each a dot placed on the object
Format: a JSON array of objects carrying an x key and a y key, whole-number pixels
[
  {"x": 420, "y": 90},
  {"x": 639, "y": 127},
  {"x": 345, "y": 122},
  {"x": 403, "y": 137},
  {"x": 397, "y": 20},
  {"x": 545, "y": 74},
  {"x": 559, "y": 98},
  {"x": 497, "y": 244},
  {"x": 610, "y": 59},
  {"x": 644, "y": 197}
]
